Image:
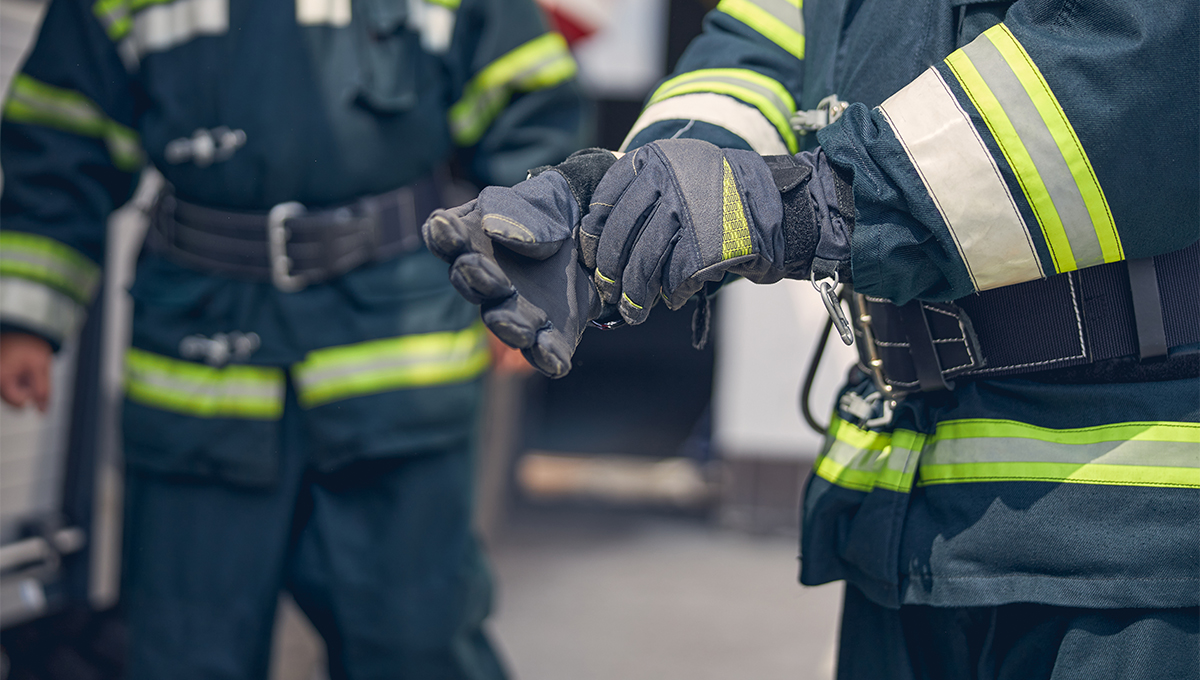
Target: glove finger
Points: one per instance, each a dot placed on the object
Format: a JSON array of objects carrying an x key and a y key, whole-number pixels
[
  {"x": 478, "y": 278},
  {"x": 608, "y": 193},
  {"x": 642, "y": 280},
  {"x": 625, "y": 224},
  {"x": 516, "y": 321},
  {"x": 551, "y": 353},
  {"x": 533, "y": 218},
  {"x": 446, "y": 231}
]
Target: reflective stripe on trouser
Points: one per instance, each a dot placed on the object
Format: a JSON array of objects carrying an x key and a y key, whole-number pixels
[
  {"x": 33, "y": 102},
  {"x": 410, "y": 361},
  {"x": 780, "y": 21},
  {"x": 767, "y": 95},
  {"x": 539, "y": 64},
  {"x": 202, "y": 391},
  {"x": 1036, "y": 141},
  {"x": 983, "y": 450}
]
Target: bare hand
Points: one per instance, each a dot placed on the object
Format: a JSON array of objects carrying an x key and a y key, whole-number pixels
[{"x": 25, "y": 370}]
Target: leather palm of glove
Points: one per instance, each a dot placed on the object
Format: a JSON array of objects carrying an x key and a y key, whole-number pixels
[
  {"x": 675, "y": 214},
  {"x": 512, "y": 252}
]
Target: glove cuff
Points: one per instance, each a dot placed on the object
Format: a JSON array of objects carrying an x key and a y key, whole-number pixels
[
  {"x": 800, "y": 230},
  {"x": 583, "y": 170}
]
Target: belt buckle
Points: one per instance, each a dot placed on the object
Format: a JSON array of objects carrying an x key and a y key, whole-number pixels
[{"x": 277, "y": 238}]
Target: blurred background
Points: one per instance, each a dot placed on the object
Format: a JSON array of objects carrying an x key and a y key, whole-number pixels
[{"x": 641, "y": 514}]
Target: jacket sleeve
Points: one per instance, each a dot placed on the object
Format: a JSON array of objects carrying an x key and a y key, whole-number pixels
[
  {"x": 70, "y": 156},
  {"x": 1062, "y": 138},
  {"x": 516, "y": 102},
  {"x": 737, "y": 83}
]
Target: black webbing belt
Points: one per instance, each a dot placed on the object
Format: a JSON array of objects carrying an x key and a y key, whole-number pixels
[
  {"x": 291, "y": 246},
  {"x": 1138, "y": 309}
]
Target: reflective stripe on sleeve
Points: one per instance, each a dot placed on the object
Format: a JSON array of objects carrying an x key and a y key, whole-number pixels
[
  {"x": 34, "y": 306},
  {"x": 33, "y": 102},
  {"x": 406, "y": 362},
  {"x": 144, "y": 26},
  {"x": 50, "y": 263},
  {"x": 780, "y": 21},
  {"x": 963, "y": 181},
  {"x": 201, "y": 391},
  {"x": 1041, "y": 146},
  {"x": 743, "y": 120},
  {"x": 1159, "y": 454},
  {"x": 766, "y": 94},
  {"x": 539, "y": 64}
]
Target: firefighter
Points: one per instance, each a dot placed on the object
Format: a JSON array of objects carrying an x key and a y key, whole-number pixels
[
  {"x": 303, "y": 385},
  {"x": 1009, "y": 484}
]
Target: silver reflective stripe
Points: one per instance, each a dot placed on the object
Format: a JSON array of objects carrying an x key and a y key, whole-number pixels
[
  {"x": 160, "y": 27},
  {"x": 1042, "y": 149},
  {"x": 323, "y": 12},
  {"x": 1022, "y": 450},
  {"x": 785, "y": 11},
  {"x": 741, "y": 119},
  {"x": 39, "y": 308},
  {"x": 964, "y": 182},
  {"x": 736, "y": 82}
]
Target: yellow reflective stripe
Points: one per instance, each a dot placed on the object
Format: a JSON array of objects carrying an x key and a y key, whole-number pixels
[
  {"x": 735, "y": 238},
  {"x": 192, "y": 389},
  {"x": 35, "y": 103},
  {"x": 1068, "y": 143},
  {"x": 1116, "y": 432},
  {"x": 410, "y": 361},
  {"x": 766, "y": 94},
  {"x": 451, "y": 5},
  {"x": 1156, "y": 454},
  {"x": 780, "y": 21},
  {"x": 117, "y": 15},
  {"x": 538, "y": 64},
  {"x": 1042, "y": 148},
  {"x": 48, "y": 262},
  {"x": 862, "y": 460}
]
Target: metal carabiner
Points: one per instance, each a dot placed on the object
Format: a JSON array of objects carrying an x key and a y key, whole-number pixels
[{"x": 833, "y": 305}]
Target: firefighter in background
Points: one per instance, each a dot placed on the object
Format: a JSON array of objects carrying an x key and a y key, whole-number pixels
[
  {"x": 303, "y": 384},
  {"x": 1009, "y": 485}
]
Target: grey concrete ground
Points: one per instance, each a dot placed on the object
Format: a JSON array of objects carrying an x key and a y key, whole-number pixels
[{"x": 605, "y": 596}]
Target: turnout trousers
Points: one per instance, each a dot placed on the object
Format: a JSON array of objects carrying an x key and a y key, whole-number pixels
[
  {"x": 378, "y": 554},
  {"x": 1015, "y": 642}
]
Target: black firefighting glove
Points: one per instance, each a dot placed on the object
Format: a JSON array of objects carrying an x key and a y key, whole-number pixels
[
  {"x": 512, "y": 252},
  {"x": 675, "y": 214}
]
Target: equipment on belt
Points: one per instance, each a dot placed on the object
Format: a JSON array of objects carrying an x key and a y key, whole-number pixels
[{"x": 290, "y": 245}]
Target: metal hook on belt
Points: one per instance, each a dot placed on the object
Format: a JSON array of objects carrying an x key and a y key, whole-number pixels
[{"x": 833, "y": 305}]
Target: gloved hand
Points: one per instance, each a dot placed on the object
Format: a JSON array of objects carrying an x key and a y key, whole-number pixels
[
  {"x": 512, "y": 252},
  {"x": 675, "y": 214}
]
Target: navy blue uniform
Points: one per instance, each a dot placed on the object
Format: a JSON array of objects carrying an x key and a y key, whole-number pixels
[
  {"x": 991, "y": 144},
  {"x": 317, "y": 440}
]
